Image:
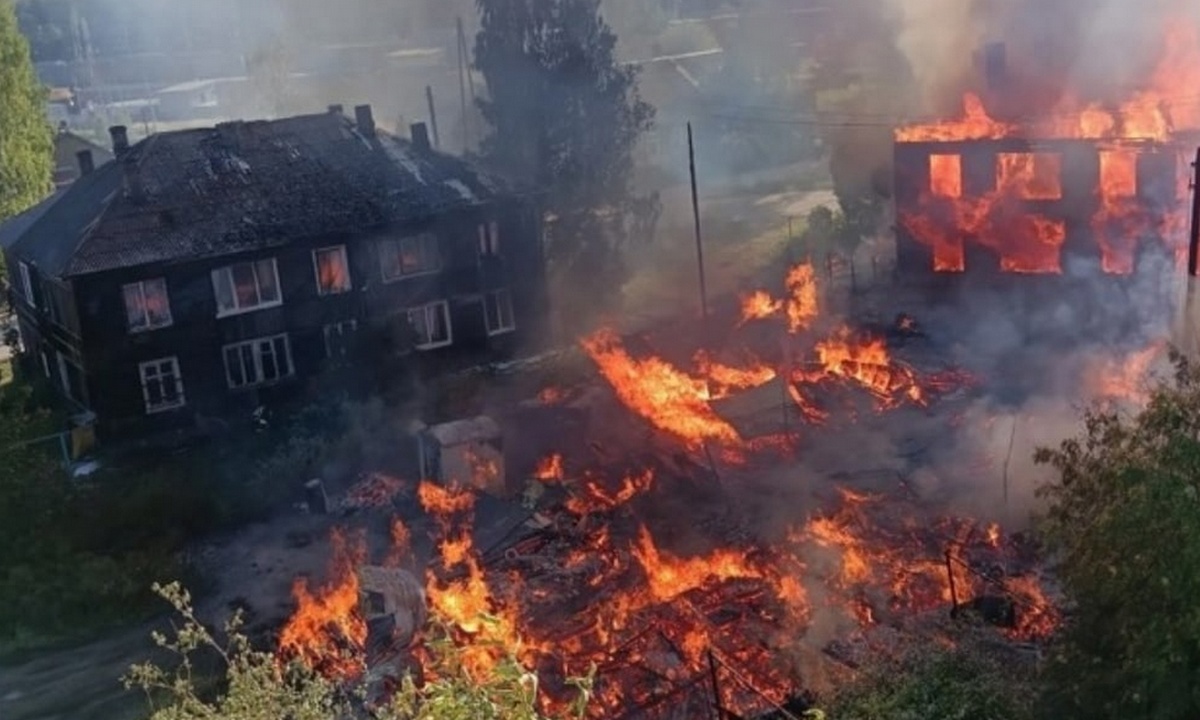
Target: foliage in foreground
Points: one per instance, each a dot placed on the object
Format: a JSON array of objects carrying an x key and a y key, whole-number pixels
[
  {"x": 1124, "y": 521},
  {"x": 936, "y": 685},
  {"x": 255, "y": 686}
]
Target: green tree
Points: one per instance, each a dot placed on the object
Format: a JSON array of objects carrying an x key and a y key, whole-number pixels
[
  {"x": 26, "y": 139},
  {"x": 565, "y": 117},
  {"x": 935, "y": 686},
  {"x": 1124, "y": 518},
  {"x": 253, "y": 686}
]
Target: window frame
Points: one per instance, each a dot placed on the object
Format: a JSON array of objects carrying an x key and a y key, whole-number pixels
[
  {"x": 444, "y": 305},
  {"x": 345, "y": 257},
  {"x": 26, "y": 283},
  {"x": 387, "y": 244},
  {"x": 342, "y": 327},
  {"x": 179, "y": 387},
  {"x": 227, "y": 272},
  {"x": 489, "y": 239},
  {"x": 494, "y": 296},
  {"x": 255, "y": 345},
  {"x": 141, "y": 286}
]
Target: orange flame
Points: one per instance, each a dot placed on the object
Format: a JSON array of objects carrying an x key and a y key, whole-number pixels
[
  {"x": 327, "y": 632},
  {"x": 759, "y": 305},
  {"x": 441, "y": 501},
  {"x": 670, "y": 399},
  {"x": 549, "y": 469},
  {"x": 802, "y": 307}
]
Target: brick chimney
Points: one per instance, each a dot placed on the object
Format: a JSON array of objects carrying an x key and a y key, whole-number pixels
[
  {"x": 86, "y": 162},
  {"x": 120, "y": 140},
  {"x": 365, "y": 120},
  {"x": 419, "y": 134}
]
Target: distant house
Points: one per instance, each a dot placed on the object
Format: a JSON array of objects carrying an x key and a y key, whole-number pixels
[
  {"x": 204, "y": 273},
  {"x": 73, "y": 155}
]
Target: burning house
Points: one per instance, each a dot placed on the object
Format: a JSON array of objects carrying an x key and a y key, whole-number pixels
[
  {"x": 205, "y": 273},
  {"x": 1034, "y": 183}
]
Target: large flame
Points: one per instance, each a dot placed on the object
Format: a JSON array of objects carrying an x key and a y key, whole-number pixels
[
  {"x": 327, "y": 632},
  {"x": 669, "y": 398}
]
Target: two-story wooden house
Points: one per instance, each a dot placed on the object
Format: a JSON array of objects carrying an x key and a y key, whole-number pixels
[{"x": 203, "y": 273}]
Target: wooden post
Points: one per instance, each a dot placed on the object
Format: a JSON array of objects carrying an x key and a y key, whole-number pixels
[
  {"x": 950, "y": 578},
  {"x": 716, "y": 686},
  {"x": 437, "y": 138},
  {"x": 1194, "y": 237},
  {"x": 696, "y": 220}
]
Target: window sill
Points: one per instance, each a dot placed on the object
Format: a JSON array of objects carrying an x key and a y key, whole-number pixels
[
  {"x": 244, "y": 311},
  {"x": 434, "y": 346},
  {"x": 410, "y": 276},
  {"x": 502, "y": 331},
  {"x": 152, "y": 328},
  {"x": 261, "y": 385},
  {"x": 165, "y": 408},
  {"x": 331, "y": 293}
]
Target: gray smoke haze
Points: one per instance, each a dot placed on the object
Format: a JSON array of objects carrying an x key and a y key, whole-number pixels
[{"x": 1097, "y": 50}]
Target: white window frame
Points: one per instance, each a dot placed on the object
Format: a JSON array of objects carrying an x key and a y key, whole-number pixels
[
  {"x": 227, "y": 271},
  {"x": 158, "y": 376},
  {"x": 141, "y": 289},
  {"x": 489, "y": 239},
  {"x": 496, "y": 296},
  {"x": 26, "y": 283},
  {"x": 256, "y": 348},
  {"x": 396, "y": 245},
  {"x": 341, "y": 251},
  {"x": 437, "y": 305},
  {"x": 341, "y": 329}
]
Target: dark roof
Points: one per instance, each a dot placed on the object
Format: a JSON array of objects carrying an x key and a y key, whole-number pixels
[
  {"x": 243, "y": 186},
  {"x": 13, "y": 228}
]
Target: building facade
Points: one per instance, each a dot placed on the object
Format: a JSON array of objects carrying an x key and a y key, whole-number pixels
[{"x": 205, "y": 273}]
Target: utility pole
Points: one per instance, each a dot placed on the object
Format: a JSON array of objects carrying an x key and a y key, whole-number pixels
[
  {"x": 696, "y": 219},
  {"x": 464, "y": 77},
  {"x": 437, "y": 140},
  {"x": 1187, "y": 316}
]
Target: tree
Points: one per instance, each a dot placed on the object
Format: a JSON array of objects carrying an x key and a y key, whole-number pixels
[
  {"x": 254, "y": 685},
  {"x": 935, "y": 685},
  {"x": 565, "y": 117},
  {"x": 26, "y": 139},
  {"x": 1124, "y": 518}
]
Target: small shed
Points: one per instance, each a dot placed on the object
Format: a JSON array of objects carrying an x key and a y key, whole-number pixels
[{"x": 469, "y": 451}]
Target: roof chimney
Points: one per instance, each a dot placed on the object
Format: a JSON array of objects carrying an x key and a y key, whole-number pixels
[
  {"x": 419, "y": 134},
  {"x": 337, "y": 109},
  {"x": 365, "y": 120},
  {"x": 86, "y": 162},
  {"x": 120, "y": 139}
]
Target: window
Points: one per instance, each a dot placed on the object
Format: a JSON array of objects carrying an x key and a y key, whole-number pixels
[
  {"x": 431, "y": 325},
  {"x": 162, "y": 385},
  {"x": 405, "y": 257},
  {"x": 1030, "y": 176},
  {"x": 27, "y": 284},
  {"x": 945, "y": 175},
  {"x": 146, "y": 305},
  {"x": 498, "y": 312},
  {"x": 489, "y": 239},
  {"x": 246, "y": 286},
  {"x": 333, "y": 272},
  {"x": 258, "y": 362},
  {"x": 339, "y": 337}
]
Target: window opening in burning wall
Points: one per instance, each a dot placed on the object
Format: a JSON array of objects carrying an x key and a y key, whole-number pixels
[
  {"x": 162, "y": 385},
  {"x": 258, "y": 362},
  {"x": 246, "y": 286},
  {"x": 406, "y": 257},
  {"x": 1030, "y": 176},
  {"x": 945, "y": 176},
  {"x": 498, "y": 312},
  {"x": 333, "y": 270},
  {"x": 431, "y": 325},
  {"x": 147, "y": 305}
]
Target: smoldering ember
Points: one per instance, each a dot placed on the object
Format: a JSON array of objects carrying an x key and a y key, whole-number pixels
[{"x": 793, "y": 443}]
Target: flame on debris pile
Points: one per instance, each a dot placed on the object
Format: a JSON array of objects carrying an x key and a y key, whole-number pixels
[
  {"x": 865, "y": 363},
  {"x": 801, "y": 306},
  {"x": 327, "y": 632},
  {"x": 669, "y": 398}
]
